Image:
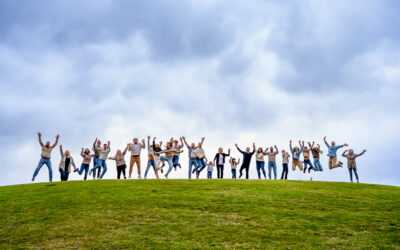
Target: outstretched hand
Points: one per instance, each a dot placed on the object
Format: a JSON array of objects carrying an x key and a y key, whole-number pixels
[
  {"x": 58, "y": 136},
  {"x": 60, "y": 145},
  {"x": 236, "y": 145},
  {"x": 364, "y": 150},
  {"x": 39, "y": 134},
  {"x": 345, "y": 144}
]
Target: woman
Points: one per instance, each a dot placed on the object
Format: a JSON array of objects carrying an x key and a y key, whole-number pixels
[
  {"x": 65, "y": 164},
  {"x": 200, "y": 158},
  {"x": 316, "y": 152},
  {"x": 295, "y": 157},
  {"x": 219, "y": 161},
  {"x": 151, "y": 162},
  {"x": 102, "y": 160},
  {"x": 272, "y": 161},
  {"x": 285, "y": 164},
  {"x": 351, "y": 162},
  {"x": 119, "y": 159},
  {"x": 260, "y": 163},
  {"x": 234, "y": 165},
  {"x": 87, "y": 157},
  {"x": 169, "y": 154},
  {"x": 306, "y": 156}
]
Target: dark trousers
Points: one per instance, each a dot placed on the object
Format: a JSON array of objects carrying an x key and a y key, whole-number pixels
[
  {"x": 220, "y": 171},
  {"x": 285, "y": 171},
  {"x": 121, "y": 169},
  {"x": 244, "y": 166},
  {"x": 64, "y": 175}
]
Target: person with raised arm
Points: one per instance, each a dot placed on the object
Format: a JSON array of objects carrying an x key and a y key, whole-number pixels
[
  {"x": 169, "y": 153},
  {"x": 260, "y": 163},
  {"x": 234, "y": 165},
  {"x": 135, "y": 149},
  {"x": 272, "y": 161},
  {"x": 87, "y": 158},
  {"x": 102, "y": 160},
  {"x": 65, "y": 164},
  {"x": 296, "y": 152},
  {"x": 157, "y": 160},
  {"x": 119, "y": 159},
  {"x": 201, "y": 158},
  {"x": 210, "y": 169},
  {"x": 306, "y": 156},
  {"x": 97, "y": 148},
  {"x": 285, "y": 164},
  {"x": 246, "y": 159},
  {"x": 316, "y": 151},
  {"x": 45, "y": 157},
  {"x": 151, "y": 161},
  {"x": 178, "y": 147},
  {"x": 219, "y": 161},
  {"x": 332, "y": 149},
  {"x": 192, "y": 156},
  {"x": 351, "y": 162}
]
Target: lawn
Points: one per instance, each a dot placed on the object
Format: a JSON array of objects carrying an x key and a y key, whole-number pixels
[{"x": 199, "y": 214}]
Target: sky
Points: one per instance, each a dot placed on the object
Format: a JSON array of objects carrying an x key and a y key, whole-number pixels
[{"x": 231, "y": 71}]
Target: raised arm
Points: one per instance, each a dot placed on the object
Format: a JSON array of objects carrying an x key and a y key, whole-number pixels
[
  {"x": 55, "y": 144},
  {"x": 239, "y": 149},
  {"x": 108, "y": 146},
  {"x": 180, "y": 139},
  {"x": 82, "y": 153},
  {"x": 311, "y": 145},
  {"x": 40, "y": 139},
  {"x": 290, "y": 146},
  {"x": 238, "y": 162},
  {"x": 94, "y": 143},
  {"x": 277, "y": 151},
  {"x": 229, "y": 152},
  {"x": 326, "y": 143},
  {"x": 344, "y": 153},
  {"x": 320, "y": 151},
  {"x": 61, "y": 151},
  {"x": 143, "y": 144},
  {"x": 148, "y": 142},
  {"x": 301, "y": 145},
  {"x": 360, "y": 154},
  {"x": 126, "y": 149},
  {"x": 202, "y": 141},
  {"x": 184, "y": 140},
  {"x": 254, "y": 148}
]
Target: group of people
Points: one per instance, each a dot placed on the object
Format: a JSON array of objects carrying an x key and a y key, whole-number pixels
[{"x": 158, "y": 157}]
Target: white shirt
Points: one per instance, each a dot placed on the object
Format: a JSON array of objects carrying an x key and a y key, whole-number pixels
[
  {"x": 210, "y": 167},
  {"x": 221, "y": 159}
]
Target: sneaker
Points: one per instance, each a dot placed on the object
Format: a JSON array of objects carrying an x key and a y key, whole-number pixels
[
  {"x": 358, "y": 181},
  {"x": 139, "y": 177},
  {"x": 162, "y": 171},
  {"x": 90, "y": 173},
  {"x": 194, "y": 169},
  {"x": 125, "y": 177},
  {"x": 309, "y": 170},
  {"x": 166, "y": 176},
  {"x": 240, "y": 176},
  {"x": 130, "y": 176},
  {"x": 145, "y": 178},
  {"x": 33, "y": 179}
]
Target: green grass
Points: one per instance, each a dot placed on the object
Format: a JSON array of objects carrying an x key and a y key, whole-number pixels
[{"x": 199, "y": 214}]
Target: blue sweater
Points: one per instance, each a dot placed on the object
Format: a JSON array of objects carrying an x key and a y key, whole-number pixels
[
  {"x": 295, "y": 155},
  {"x": 332, "y": 150}
]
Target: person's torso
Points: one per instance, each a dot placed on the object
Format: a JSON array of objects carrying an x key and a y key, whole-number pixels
[
  {"x": 104, "y": 154},
  {"x": 65, "y": 163},
  {"x": 285, "y": 158},
  {"x": 177, "y": 149},
  {"x": 46, "y": 152},
  {"x": 120, "y": 160},
  {"x": 210, "y": 167},
  {"x": 271, "y": 156},
  {"x": 87, "y": 158},
  {"x": 260, "y": 156},
  {"x": 220, "y": 159},
  {"x": 136, "y": 148},
  {"x": 315, "y": 153},
  {"x": 200, "y": 153},
  {"x": 306, "y": 154}
]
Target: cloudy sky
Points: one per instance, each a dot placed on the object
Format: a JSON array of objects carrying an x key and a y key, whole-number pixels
[{"x": 232, "y": 71}]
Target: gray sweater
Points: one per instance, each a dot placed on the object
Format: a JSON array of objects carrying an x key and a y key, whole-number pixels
[
  {"x": 62, "y": 162},
  {"x": 351, "y": 159}
]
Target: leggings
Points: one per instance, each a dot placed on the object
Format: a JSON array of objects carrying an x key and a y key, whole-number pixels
[
  {"x": 121, "y": 169},
  {"x": 220, "y": 171},
  {"x": 285, "y": 171}
]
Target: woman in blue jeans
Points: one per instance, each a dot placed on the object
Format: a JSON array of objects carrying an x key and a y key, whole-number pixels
[
  {"x": 169, "y": 154},
  {"x": 351, "y": 162},
  {"x": 102, "y": 160},
  {"x": 87, "y": 157},
  {"x": 65, "y": 165},
  {"x": 260, "y": 163}
]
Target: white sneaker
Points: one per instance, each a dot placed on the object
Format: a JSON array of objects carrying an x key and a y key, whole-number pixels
[
  {"x": 145, "y": 178},
  {"x": 90, "y": 172},
  {"x": 130, "y": 176},
  {"x": 166, "y": 176},
  {"x": 139, "y": 177}
]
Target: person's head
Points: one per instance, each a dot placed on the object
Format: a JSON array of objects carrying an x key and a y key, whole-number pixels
[
  {"x": 271, "y": 149},
  {"x": 105, "y": 146},
  {"x": 175, "y": 142},
  {"x": 333, "y": 143},
  {"x": 351, "y": 152},
  {"x": 259, "y": 150},
  {"x": 67, "y": 154},
  {"x": 135, "y": 140},
  {"x": 283, "y": 152},
  {"x": 87, "y": 151},
  {"x": 151, "y": 146},
  {"x": 316, "y": 149},
  {"x": 47, "y": 144},
  {"x": 210, "y": 163},
  {"x": 233, "y": 160},
  {"x": 247, "y": 150},
  {"x": 119, "y": 152},
  {"x": 157, "y": 146},
  {"x": 199, "y": 145},
  {"x": 306, "y": 148},
  {"x": 193, "y": 145},
  {"x": 220, "y": 150},
  {"x": 98, "y": 143},
  {"x": 296, "y": 149},
  {"x": 168, "y": 145}
]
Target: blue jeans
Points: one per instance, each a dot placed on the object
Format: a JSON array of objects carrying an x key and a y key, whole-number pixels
[
  {"x": 84, "y": 167},
  {"x": 209, "y": 174},
  {"x": 351, "y": 173},
  {"x": 260, "y": 166},
  {"x": 191, "y": 163},
  {"x": 170, "y": 164},
  {"x": 64, "y": 175},
  {"x": 233, "y": 173},
  {"x": 317, "y": 165},
  {"x": 95, "y": 161},
  {"x": 175, "y": 161},
  {"x": 100, "y": 163},
  {"x": 40, "y": 165},
  {"x": 200, "y": 165},
  {"x": 149, "y": 164},
  {"x": 308, "y": 162},
  {"x": 271, "y": 164}
]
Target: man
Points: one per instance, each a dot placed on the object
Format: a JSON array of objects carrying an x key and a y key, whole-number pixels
[
  {"x": 272, "y": 161},
  {"x": 177, "y": 147},
  {"x": 97, "y": 150},
  {"x": 219, "y": 161},
  {"x": 201, "y": 158},
  {"x": 135, "y": 149},
  {"x": 296, "y": 152},
  {"x": 246, "y": 159},
  {"x": 332, "y": 149},
  {"x": 192, "y": 156},
  {"x": 45, "y": 157}
]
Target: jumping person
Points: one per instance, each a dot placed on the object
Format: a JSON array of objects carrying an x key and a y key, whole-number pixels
[
  {"x": 65, "y": 164},
  {"x": 157, "y": 160},
  {"x": 332, "y": 149},
  {"x": 219, "y": 161},
  {"x": 210, "y": 168},
  {"x": 285, "y": 164},
  {"x": 97, "y": 148},
  {"x": 200, "y": 158},
  {"x": 295, "y": 157},
  {"x": 119, "y": 159},
  {"x": 192, "y": 156},
  {"x": 169, "y": 153},
  {"x": 45, "y": 157},
  {"x": 351, "y": 162},
  {"x": 306, "y": 156},
  {"x": 102, "y": 160},
  {"x": 135, "y": 149},
  {"x": 178, "y": 148},
  {"x": 272, "y": 161},
  {"x": 246, "y": 159},
  {"x": 87, "y": 158},
  {"x": 151, "y": 161},
  {"x": 316, "y": 151},
  {"x": 234, "y": 165},
  {"x": 260, "y": 163}
]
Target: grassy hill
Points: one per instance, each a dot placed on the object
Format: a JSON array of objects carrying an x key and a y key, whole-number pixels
[{"x": 199, "y": 213}]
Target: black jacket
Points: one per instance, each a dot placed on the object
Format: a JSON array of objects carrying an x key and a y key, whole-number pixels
[{"x": 223, "y": 158}]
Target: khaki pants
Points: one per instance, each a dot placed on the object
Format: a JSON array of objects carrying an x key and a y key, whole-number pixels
[
  {"x": 134, "y": 159},
  {"x": 297, "y": 162},
  {"x": 332, "y": 163}
]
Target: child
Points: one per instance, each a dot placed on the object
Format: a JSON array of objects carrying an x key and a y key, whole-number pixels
[
  {"x": 210, "y": 168},
  {"x": 316, "y": 151},
  {"x": 351, "y": 162},
  {"x": 285, "y": 164},
  {"x": 234, "y": 165},
  {"x": 306, "y": 156}
]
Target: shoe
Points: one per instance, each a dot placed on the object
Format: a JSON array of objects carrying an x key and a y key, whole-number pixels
[
  {"x": 139, "y": 177},
  {"x": 341, "y": 163},
  {"x": 162, "y": 171},
  {"x": 193, "y": 170},
  {"x": 309, "y": 170},
  {"x": 75, "y": 170},
  {"x": 179, "y": 166},
  {"x": 130, "y": 176},
  {"x": 175, "y": 168},
  {"x": 125, "y": 177},
  {"x": 166, "y": 176},
  {"x": 358, "y": 181},
  {"x": 240, "y": 176},
  {"x": 33, "y": 179}
]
